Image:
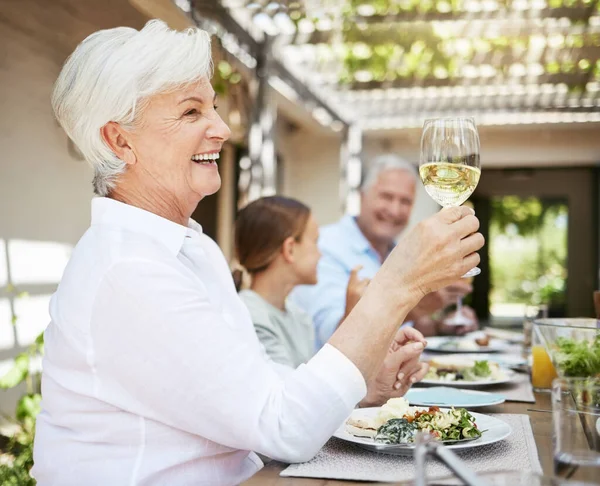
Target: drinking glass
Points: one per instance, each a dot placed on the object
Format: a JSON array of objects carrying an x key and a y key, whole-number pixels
[
  {"x": 543, "y": 371},
  {"x": 576, "y": 428},
  {"x": 449, "y": 166}
]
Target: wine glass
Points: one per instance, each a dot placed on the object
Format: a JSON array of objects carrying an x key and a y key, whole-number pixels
[{"x": 449, "y": 165}]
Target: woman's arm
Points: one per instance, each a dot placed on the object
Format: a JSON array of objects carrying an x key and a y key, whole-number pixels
[
  {"x": 437, "y": 252},
  {"x": 163, "y": 350}
]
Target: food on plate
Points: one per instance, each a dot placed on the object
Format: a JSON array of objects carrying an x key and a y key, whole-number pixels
[
  {"x": 460, "y": 344},
  {"x": 367, "y": 427},
  {"x": 454, "y": 368},
  {"x": 506, "y": 334},
  {"x": 397, "y": 423},
  {"x": 483, "y": 341}
]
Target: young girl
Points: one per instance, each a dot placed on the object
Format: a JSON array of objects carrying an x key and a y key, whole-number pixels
[{"x": 276, "y": 242}]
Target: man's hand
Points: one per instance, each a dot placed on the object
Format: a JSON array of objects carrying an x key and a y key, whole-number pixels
[
  {"x": 473, "y": 325},
  {"x": 356, "y": 287},
  {"x": 439, "y": 300},
  {"x": 400, "y": 369}
]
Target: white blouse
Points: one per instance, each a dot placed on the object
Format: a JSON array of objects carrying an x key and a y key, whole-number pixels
[{"x": 153, "y": 374}]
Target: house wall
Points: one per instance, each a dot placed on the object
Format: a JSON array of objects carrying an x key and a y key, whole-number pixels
[
  {"x": 311, "y": 158},
  {"x": 45, "y": 189}
]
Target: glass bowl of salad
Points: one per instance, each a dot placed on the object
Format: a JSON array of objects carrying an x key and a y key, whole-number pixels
[{"x": 573, "y": 345}]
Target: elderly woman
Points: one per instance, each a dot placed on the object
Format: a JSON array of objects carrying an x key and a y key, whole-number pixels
[{"x": 153, "y": 374}]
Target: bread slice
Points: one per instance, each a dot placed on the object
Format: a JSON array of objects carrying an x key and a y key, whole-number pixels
[{"x": 361, "y": 427}]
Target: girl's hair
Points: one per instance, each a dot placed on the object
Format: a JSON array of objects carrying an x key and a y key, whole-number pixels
[{"x": 262, "y": 227}]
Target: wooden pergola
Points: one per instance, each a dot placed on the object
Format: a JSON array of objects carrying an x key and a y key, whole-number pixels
[{"x": 362, "y": 65}]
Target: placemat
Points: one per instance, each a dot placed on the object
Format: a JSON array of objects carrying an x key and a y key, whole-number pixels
[
  {"x": 518, "y": 390},
  {"x": 345, "y": 461}
]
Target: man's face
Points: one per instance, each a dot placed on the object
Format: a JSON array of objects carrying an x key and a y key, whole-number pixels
[{"x": 387, "y": 204}]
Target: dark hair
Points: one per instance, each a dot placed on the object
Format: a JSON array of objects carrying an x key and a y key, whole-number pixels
[{"x": 262, "y": 227}]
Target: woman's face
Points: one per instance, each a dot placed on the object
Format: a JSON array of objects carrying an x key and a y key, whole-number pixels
[
  {"x": 307, "y": 254},
  {"x": 177, "y": 143}
]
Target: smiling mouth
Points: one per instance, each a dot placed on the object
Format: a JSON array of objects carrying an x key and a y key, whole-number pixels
[{"x": 206, "y": 159}]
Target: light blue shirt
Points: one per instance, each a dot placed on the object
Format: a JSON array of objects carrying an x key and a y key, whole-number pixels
[{"x": 343, "y": 246}]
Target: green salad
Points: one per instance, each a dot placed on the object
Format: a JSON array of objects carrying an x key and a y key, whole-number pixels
[
  {"x": 454, "y": 424},
  {"x": 478, "y": 371},
  {"x": 579, "y": 358},
  {"x": 481, "y": 369}
]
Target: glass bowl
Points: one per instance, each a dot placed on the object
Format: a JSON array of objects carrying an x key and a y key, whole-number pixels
[{"x": 573, "y": 345}]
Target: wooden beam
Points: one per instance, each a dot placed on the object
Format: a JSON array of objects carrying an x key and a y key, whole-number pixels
[
  {"x": 572, "y": 13},
  {"x": 216, "y": 12}
]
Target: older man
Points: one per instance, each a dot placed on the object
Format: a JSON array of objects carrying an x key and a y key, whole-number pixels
[{"x": 355, "y": 248}]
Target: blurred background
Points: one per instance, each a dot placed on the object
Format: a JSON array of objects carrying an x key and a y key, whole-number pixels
[{"x": 313, "y": 90}]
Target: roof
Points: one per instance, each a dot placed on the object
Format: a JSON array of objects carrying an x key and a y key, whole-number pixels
[{"x": 392, "y": 63}]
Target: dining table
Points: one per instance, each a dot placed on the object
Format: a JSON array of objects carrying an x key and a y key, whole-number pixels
[{"x": 541, "y": 422}]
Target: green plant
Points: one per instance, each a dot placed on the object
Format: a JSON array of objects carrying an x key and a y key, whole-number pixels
[
  {"x": 17, "y": 457},
  {"x": 528, "y": 248}
]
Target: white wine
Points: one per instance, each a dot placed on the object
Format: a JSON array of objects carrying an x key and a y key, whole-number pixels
[{"x": 449, "y": 184}]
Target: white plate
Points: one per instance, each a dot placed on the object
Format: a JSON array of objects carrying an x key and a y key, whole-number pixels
[
  {"x": 510, "y": 375},
  {"x": 436, "y": 343},
  {"x": 495, "y": 431},
  {"x": 442, "y": 396}
]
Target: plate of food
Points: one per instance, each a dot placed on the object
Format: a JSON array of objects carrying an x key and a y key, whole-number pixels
[
  {"x": 504, "y": 360},
  {"x": 467, "y": 344},
  {"x": 392, "y": 428},
  {"x": 465, "y": 372}
]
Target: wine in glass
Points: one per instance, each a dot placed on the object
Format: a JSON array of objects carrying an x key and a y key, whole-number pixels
[
  {"x": 450, "y": 170},
  {"x": 449, "y": 165}
]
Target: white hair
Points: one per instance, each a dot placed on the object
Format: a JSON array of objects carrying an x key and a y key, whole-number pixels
[
  {"x": 383, "y": 163},
  {"x": 111, "y": 75}
]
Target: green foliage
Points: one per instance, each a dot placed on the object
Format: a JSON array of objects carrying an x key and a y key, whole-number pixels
[
  {"x": 17, "y": 473},
  {"x": 18, "y": 373},
  {"x": 224, "y": 76},
  {"x": 524, "y": 214},
  {"x": 528, "y": 251},
  {"x": 18, "y": 454},
  {"x": 401, "y": 46}
]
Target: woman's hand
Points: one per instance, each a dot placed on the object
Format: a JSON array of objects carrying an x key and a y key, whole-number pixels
[
  {"x": 356, "y": 287},
  {"x": 400, "y": 369},
  {"x": 435, "y": 254}
]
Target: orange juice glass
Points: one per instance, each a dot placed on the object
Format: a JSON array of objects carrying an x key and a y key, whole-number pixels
[{"x": 542, "y": 369}]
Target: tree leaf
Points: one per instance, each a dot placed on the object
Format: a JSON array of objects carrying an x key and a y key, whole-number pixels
[
  {"x": 17, "y": 373},
  {"x": 28, "y": 408}
]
